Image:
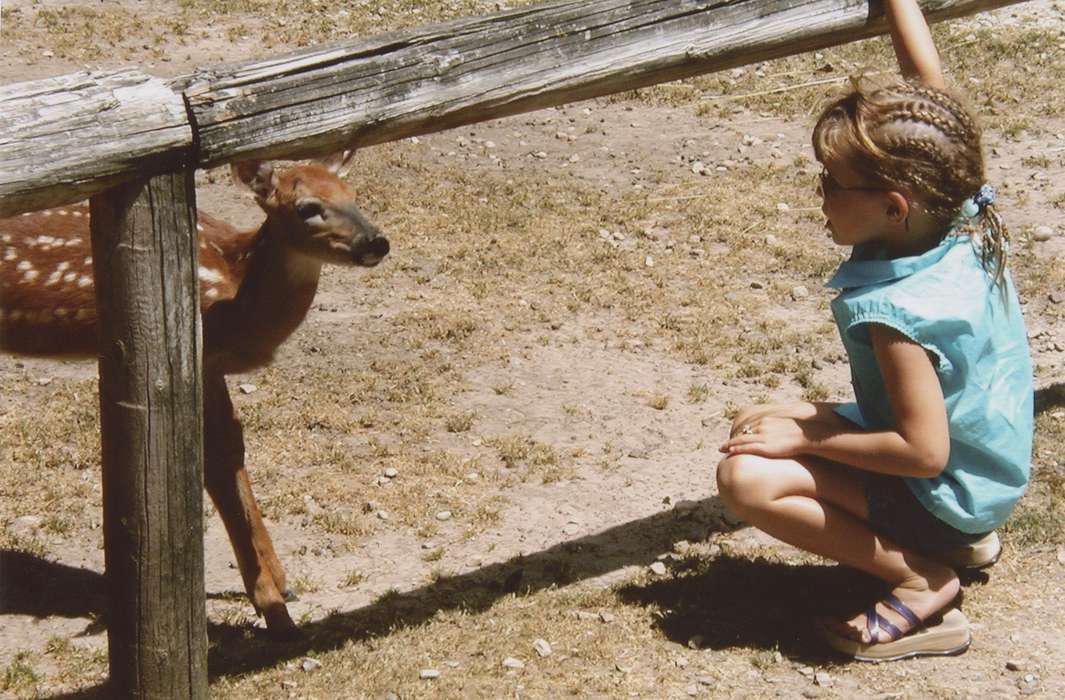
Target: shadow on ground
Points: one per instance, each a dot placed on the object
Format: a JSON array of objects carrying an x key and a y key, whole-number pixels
[{"x": 37, "y": 587}]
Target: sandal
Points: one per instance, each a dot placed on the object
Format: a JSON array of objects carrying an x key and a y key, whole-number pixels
[
  {"x": 943, "y": 634},
  {"x": 979, "y": 555}
]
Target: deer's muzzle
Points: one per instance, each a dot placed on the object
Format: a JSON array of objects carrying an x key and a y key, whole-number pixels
[{"x": 369, "y": 251}]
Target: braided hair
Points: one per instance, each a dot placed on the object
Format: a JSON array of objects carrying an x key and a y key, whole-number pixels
[{"x": 911, "y": 136}]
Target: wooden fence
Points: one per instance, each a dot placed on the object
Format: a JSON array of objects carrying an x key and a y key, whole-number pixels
[{"x": 131, "y": 143}]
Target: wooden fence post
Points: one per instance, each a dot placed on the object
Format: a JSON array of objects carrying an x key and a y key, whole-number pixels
[{"x": 151, "y": 407}]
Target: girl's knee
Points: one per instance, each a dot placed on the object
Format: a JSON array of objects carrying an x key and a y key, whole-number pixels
[{"x": 743, "y": 481}]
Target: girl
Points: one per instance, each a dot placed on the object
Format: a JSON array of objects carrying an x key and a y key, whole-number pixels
[{"x": 935, "y": 452}]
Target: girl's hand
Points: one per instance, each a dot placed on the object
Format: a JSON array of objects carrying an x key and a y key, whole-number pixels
[
  {"x": 769, "y": 436},
  {"x": 799, "y": 410}
]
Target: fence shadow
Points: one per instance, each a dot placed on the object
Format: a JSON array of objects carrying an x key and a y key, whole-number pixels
[{"x": 239, "y": 649}]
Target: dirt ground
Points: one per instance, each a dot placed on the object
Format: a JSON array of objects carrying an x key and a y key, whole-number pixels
[{"x": 577, "y": 301}]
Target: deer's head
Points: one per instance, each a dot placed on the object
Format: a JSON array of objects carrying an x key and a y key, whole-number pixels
[{"x": 315, "y": 210}]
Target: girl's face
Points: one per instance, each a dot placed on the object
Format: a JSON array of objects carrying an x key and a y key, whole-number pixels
[{"x": 856, "y": 211}]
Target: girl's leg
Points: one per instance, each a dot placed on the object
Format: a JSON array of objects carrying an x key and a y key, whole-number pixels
[{"x": 821, "y": 507}]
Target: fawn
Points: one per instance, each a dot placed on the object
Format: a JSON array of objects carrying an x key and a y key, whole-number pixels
[{"x": 255, "y": 289}]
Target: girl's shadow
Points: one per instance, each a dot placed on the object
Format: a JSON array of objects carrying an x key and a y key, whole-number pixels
[{"x": 737, "y": 602}]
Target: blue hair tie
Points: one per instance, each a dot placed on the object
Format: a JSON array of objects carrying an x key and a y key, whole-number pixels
[{"x": 972, "y": 206}]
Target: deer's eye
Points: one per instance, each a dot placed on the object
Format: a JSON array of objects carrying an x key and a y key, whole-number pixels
[{"x": 309, "y": 210}]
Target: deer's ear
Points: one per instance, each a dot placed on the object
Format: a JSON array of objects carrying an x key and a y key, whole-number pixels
[
  {"x": 255, "y": 175},
  {"x": 340, "y": 164}
]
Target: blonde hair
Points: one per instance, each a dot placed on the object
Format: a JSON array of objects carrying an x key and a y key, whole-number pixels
[{"x": 913, "y": 137}]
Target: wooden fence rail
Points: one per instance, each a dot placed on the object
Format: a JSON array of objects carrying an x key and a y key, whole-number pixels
[
  {"x": 63, "y": 139},
  {"x": 131, "y": 142}
]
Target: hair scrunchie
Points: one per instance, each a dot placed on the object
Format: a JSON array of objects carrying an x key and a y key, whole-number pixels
[{"x": 972, "y": 206}]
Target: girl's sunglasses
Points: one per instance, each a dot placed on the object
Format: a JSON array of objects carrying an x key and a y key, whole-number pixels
[{"x": 826, "y": 184}]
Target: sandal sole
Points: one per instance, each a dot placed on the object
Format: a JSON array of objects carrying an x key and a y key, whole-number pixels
[{"x": 950, "y": 637}]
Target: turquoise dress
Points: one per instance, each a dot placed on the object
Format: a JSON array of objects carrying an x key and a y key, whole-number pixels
[{"x": 945, "y": 301}]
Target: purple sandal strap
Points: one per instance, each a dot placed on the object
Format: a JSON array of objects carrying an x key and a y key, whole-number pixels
[
  {"x": 902, "y": 609},
  {"x": 874, "y": 622}
]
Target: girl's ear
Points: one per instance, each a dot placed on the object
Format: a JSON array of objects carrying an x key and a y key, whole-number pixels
[
  {"x": 898, "y": 208},
  {"x": 257, "y": 176}
]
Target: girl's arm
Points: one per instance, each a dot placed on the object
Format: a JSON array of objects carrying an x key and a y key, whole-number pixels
[
  {"x": 913, "y": 42},
  {"x": 918, "y": 447}
]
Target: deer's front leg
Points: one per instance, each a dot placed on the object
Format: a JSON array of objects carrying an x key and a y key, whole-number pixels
[{"x": 228, "y": 485}]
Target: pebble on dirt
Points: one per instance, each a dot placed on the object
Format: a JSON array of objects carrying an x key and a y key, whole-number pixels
[
  {"x": 658, "y": 568},
  {"x": 310, "y": 664},
  {"x": 1042, "y": 233},
  {"x": 511, "y": 662},
  {"x": 429, "y": 674},
  {"x": 542, "y": 647}
]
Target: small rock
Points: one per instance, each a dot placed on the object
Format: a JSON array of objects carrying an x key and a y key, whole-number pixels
[
  {"x": 542, "y": 647},
  {"x": 811, "y": 693},
  {"x": 622, "y": 669},
  {"x": 310, "y": 664},
  {"x": 383, "y": 515},
  {"x": 391, "y": 472},
  {"x": 658, "y": 568},
  {"x": 1061, "y": 555},
  {"x": 699, "y": 168},
  {"x": 369, "y": 506},
  {"x": 681, "y": 546},
  {"x": 539, "y": 154},
  {"x": 1042, "y": 233},
  {"x": 692, "y": 689},
  {"x": 806, "y": 671},
  {"x": 429, "y": 674},
  {"x": 606, "y": 616},
  {"x": 799, "y": 292},
  {"x": 1056, "y": 297},
  {"x": 823, "y": 679},
  {"x": 649, "y": 261},
  {"x": 24, "y": 525},
  {"x": 757, "y": 284},
  {"x": 771, "y": 240},
  {"x": 585, "y": 615},
  {"x": 247, "y": 388},
  {"x": 511, "y": 662},
  {"x": 571, "y": 528},
  {"x": 443, "y": 515},
  {"x": 1015, "y": 665},
  {"x": 783, "y": 206},
  {"x": 680, "y": 662},
  {"x": 705, "y": 680}
]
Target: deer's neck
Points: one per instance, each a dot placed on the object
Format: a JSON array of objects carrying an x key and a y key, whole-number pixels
[{"x": 275, "y": 294}]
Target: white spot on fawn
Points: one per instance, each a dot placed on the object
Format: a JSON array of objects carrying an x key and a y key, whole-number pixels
[
  {"x": 6, "y": 238},
  {"x": 208, "y": 275},
  {"x": 70, "y": 277},
  {"x": 61, "y": 267},
  {"x": 85, "y": 281},
  {"x": 76, "y": 213},
  {"x": 25, "y": 265},
  {"x": 61, "y": 312},
  {"x": 73, "y": 242},
  {"x": 53, "y": 278},
  {"x": 30, "y": 275},
  {"x": 10, "y": 254},
  {"x": 82, "y": 315},
  {"x": 199, "y": 227},
  {"x": 211, "y": 293},
  {"x": 87, "y": 261},
  {"x": 16, "y": 315},
  {"x": 62, "y": 212}
]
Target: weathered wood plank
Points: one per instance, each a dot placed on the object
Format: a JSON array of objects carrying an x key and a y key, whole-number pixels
[
  {"x": 62, "y": 139},
  {"x": 471, "y": 70},
  {"x": 151, "y": 398}
]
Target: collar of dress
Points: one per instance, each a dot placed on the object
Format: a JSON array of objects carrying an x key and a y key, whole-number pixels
[{"x": 865, "y": 268}]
